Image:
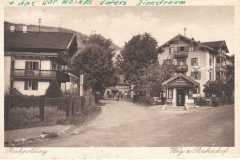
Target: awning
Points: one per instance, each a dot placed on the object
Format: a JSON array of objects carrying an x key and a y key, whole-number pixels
[{"x": 180, "y": 81}]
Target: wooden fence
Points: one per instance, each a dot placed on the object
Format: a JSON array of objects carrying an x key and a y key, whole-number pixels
[{"x": 22, "y": 111}]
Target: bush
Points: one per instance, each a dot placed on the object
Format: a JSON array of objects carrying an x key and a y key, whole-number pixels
[
  {"x": 200, "y": 101},
  {"x": 144, "y": 100},
  {"x": 54, "y": 90},
  {"x": 214, "y": 88},
  {"x": 214, "y": 101}
]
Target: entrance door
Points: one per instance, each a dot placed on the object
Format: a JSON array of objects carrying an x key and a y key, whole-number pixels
[{"x": 181, "y": 97}]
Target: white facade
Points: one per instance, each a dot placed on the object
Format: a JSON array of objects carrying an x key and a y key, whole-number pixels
[
  {"x": 42, "y": 88},
  {"x": 20, "y": 63},
  {"x": 202, "y": 57},
  {"x": 7, "y": 72}
]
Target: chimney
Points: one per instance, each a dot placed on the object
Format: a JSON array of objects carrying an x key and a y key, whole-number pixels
[
  {"x": 12, "y": 28},
  {"x": 24, "y": 29}
]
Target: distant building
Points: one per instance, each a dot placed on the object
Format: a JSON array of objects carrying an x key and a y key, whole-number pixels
[
  {"x": 33, "y": 59},
  {"x": 196, "y": 63}
]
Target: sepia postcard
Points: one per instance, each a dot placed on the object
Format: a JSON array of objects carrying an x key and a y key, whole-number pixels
[{"x": 120, "y": 79}]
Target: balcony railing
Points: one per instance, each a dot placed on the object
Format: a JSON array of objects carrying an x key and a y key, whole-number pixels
[
  {"x": 180, "y": 54},
  {"x": 181, "y": 68},
  {"x": 39, "y": 74}
]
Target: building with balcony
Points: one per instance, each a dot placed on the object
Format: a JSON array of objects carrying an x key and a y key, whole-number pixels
[
  {"x": 195, "y": 63},
  {"x": 33, "y": 59}
]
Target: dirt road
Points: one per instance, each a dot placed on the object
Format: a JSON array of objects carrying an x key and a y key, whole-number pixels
[{"x": 124, "y": 124}]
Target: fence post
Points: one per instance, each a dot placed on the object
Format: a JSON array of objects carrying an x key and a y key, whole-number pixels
[
  {"x": 41, "y": 108},
  {"x": 7, "y": 105},
  {"x": 67, "y": 106},
  {"x": 72, "y": 106}
]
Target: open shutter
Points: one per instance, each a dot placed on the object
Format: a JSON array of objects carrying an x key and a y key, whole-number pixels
[
  {"x": 27, "y": 65},
  {"x": 35, "y": 85},
  {"x": 25, "y": 85}
]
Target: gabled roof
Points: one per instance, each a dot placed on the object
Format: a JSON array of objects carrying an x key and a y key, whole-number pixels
[
  {"x": 179, "y": 36},
  {"x": 216, "y": 45},
  {"x": 211, "y": 46},
  {"x": 37, "y": 40},
  {"x": 180, "y": 75}
]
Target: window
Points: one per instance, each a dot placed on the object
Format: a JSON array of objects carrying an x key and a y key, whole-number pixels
[
  {"x": 218, "y": 60},
  {"x": 54, "y": 65},
  {"x": 191, "y": 49},
  {"x": 170, "y": 93},
  {"x": 31, "y": 85},
  {"x": 181, "y": 62},
  {"x": 30, "y": 65},
  {"x": 182, "y": 48},
  {"x": 172, "y": 49},
  {"x": 196, "y": 75},
  {"x": 210, "y": 61},
  {"x": 194, "y": 62},
  {"x": 210, "y": 76},
  {"x": 190, "y": 93}
]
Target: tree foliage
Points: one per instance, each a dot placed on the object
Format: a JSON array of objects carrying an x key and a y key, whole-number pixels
[
  {"x": 137, "y": 55},
  {"x": 214, "y": 88},
  {"x": 54, "y": 90},
  {"x": 155, "y": 75},
  {"x": 95, "y": 62}
]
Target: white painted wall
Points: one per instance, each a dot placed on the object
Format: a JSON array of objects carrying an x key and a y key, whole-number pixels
[
  {"x": 203, "y": 61},
  {"x": 164, "y": 55},
  {"x": 45, "y": 65},
  {"x": 7, "y": 72},
  {"x": 20, "y": 64},
  {"x": 42, "y": 88}
]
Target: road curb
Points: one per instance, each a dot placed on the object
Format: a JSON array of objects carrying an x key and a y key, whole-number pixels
[{"x": 44, "y": 135}]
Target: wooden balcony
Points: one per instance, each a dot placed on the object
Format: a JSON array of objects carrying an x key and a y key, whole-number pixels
[
  {"x": 40, "y": 75},
  {"x": 181, "y": 68},
  {"x": 180, "y": 54}
]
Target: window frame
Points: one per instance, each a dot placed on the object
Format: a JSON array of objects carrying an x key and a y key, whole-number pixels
[
  {"x": 196, "y": 61},
  {"x": 170, "y": 94},
  {"x": 31, "y": 85},
  {"x": 196, "y": 75},
  {"x": 32, "y": 65}
]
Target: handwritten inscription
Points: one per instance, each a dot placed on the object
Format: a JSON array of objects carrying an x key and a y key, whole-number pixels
[
  {"x": 180, "y": 151},
  {"x": 114, "y": 2},
  {"x": 23, "y": 3},
  {"x": 22, "y": 151},
  {"x": 29, "y": 3},
  {"x": 160, "y": 2}
]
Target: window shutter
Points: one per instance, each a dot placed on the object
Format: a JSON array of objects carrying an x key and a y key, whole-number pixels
[
  {"x": 27, "y": 66},
  {"x": 199, "y": 75},
  {"x": 36, "y": 65},
  {"x": 25, "y": 85},
  {"x": 35, "y": 85}
]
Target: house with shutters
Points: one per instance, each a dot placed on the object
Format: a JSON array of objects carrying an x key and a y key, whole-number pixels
[
  {"x": 33, "y": 59},
  {"x": 196, "y": 63}
]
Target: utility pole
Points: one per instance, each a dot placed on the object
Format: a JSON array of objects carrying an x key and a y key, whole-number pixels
[
  {"x": 39, "y": 23},
  {"x": 185, "y": 31}
]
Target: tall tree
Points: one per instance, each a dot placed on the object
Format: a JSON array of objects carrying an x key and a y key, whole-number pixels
[
  {"x": 136, "y": 55},
  {"x": 95, "y": 61}
]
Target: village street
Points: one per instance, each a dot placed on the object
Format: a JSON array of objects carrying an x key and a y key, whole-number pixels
[{"x": 122, "y": 124}]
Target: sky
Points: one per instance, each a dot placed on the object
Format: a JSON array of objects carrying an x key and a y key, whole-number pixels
[{"x": 121, "y": 23}]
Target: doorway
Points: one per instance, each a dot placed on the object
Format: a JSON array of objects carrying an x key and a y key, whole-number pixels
[{"x": 181, "y": 97}]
